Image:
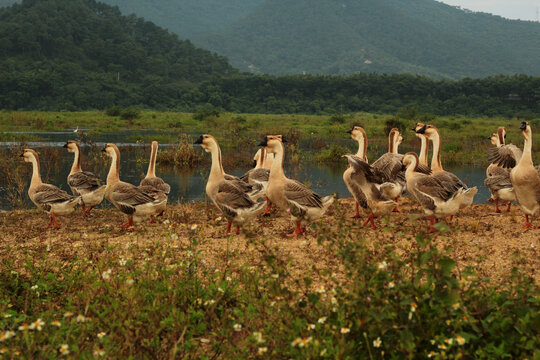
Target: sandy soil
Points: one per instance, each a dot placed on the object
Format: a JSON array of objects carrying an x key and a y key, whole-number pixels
[{"x": 491, "y": 242}]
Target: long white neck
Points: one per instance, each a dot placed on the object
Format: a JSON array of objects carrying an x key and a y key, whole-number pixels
[
  {"x": 436, "y": 159},
  {"x": 526, "y": 158},
  {"x": 260, "y": 160},
  {"x": 394, "y": 145},
  {"x": 268, "y": 160},
  {"x": 276, "y": 171},
  {"x": 362, "y": 147},
  {"x": 36, "y": 177},
  {"x": 113, "y": 175},
  {"x": 423, "y": 156},
  {"x": 216, "y": 170},
  {"x": 152, "y": 165},
  {"x": 76, "y": 167}
]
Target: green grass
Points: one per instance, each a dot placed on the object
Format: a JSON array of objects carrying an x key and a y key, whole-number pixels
[{"x": 464, "y": 139}]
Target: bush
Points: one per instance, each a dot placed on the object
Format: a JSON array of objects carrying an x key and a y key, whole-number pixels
[
  {"x": 130, "y": 114},
  {"x": 113, "y": 111},
  {"x": 337, "y": 119},
  {"x": 395, "y": 123},
  {"x": 205, "y": 113}
]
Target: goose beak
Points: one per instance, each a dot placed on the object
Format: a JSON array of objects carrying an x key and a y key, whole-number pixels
[
  {"x": 104, "y": 149},
  {"x": 349, "y": 131},
  {"x": 254, "y": 163},
  {"x": 523, "y": 126},
  {"x": 283, "y": 140},
  {"x": 22, "y": 155},
  {"x": 264, "y": 142},
  {"x": 65, "y": 145},
  {"x": 422, "y": 130},
  {"x": 199, "y": 141}
]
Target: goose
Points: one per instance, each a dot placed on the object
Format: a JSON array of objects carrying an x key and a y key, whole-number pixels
[
  {"x": 235, "y": 203},
  {"x": 437, "y": 199},
  {"x": 498, "y": 177},
  {"x": 48, "y": 197},
  {"x": 447, "y": 179},
  {"x": 423, "y": 154},
  {"x": 258, "y": 176},
  {"x": 370, "y": 183},
  {"x": 290, "y": 195},
  {"x": 84, "y": 183},
  {"x": 133, "y": 201},
  {"x": 526, "y": 179},
  {"x": 151, "y": 183},
  {"x": 358, "y": 134}
]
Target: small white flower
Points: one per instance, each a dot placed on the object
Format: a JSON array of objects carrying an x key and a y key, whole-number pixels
[
  {"x": 220, "y": 290},
  {"x": 262, "y": 350},
  {"x": 391, "y": 284},
  {"x": 377, "y": 342},
  {"x": 34, "y": 287},
  {"x": 68, "y": 314},
  {"x": 258, "y": 337},
  {"x": 275, "y": 276},
  {"x": 56, "y": 323},
  {"x": 455, "y": 306},
  {"x": 460, "y": 340},
  {"x": 449, "y": 341},
  {"x": 174, "y": 237},
  {"x": 64, "y": 349},
  {"x": 38, "y": 325},
  {"x": 311, "y": 326},
  {"x": 189, "y": 253},
  {"x": 237, "y": 327},
  {"x": 333, "y": 300},
  {"x": 24, "y": 327},
  {"x": 99, "y": 352},
  {"x": 219, "y": 218},
  {"x": 101, "y": 334},
  {"x": 431, "y": 354},
  {"x": 204, "y": 340},
  {"x": 129, "y": 281},
  {"x": 166, "y": 222},
  {"x": 345, "y": 330},
  {"x": 194, "y": 227},
  {"x": 382, "y": 265},
  {"x": 296, "y": 342},
  {"x": 122, "y": 262},
  {"x": 322, "y": 320},
  {"x": 7, "y": 316},
  {"x": 3, "y": 350},
  {"x": 442, "y": 347},
  {"x": 80, "y": 318},
  {"x": 6, "y": 335},
  {"x": 106, "y": 275},
  {"x": 228, "y": 278},
  {"x": 413, "y": 307},
  {"x": 321, "y": 289}
]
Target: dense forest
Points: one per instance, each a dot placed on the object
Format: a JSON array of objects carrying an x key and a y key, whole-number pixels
[
  {"x": 348, "y": 36},
  {"x": 76, "y": 54},
  {"x": 82, "y": 55}
]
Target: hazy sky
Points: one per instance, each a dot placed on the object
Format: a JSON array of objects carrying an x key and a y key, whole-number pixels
[{"x": 512, "y": 9}]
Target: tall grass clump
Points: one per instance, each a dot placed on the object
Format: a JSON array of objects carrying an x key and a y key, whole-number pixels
[{"x": 181, "y": 153}]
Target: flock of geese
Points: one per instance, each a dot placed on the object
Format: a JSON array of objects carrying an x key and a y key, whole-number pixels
[{"x": 376, "y": 187}]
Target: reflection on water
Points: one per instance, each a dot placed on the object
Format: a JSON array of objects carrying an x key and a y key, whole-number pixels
[{"x": 186, "y": 184}]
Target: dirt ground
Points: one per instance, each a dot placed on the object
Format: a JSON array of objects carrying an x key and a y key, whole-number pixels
[{"x": 491, "y": 242}]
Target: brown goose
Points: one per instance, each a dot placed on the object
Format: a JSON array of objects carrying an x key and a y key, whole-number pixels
[
  {"x": 48, "y": 197},
  {"x": 133, "y": 201},
  {"x": 436, "y": 198},
  {"x": 84, "y": 183},
  {"x": 449, "y": 180},
  {"x": 290, "y": 195},
  {"x": 423, "y": 154},
  {"x": 232, "y": 200},
  {"x": 526, "y": 180},
  {"x": 258, "y": 176},
  {"x": 151, "y": 184},
  {"x": 498, "y": 177},
  {"x": 358, "y": 134}
]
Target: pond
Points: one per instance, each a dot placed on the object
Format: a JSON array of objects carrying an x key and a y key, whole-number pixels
[{"x": 187, "y": 184}]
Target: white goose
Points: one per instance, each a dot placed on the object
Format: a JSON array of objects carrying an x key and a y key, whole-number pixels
[
  {"x": 437, "y": 199},
  {"x": 358, "y": 134},
  {"x": 526, "y": 179},
  {"x": 447, "y": 179},
  {"x": 130, "y": 199},
  {"x": 152, "y": 184},
  {"x": 232, "y": 200},
  {"x": 290, "y": 195},
  {"x": 498, "y": 176},
  {"x": 84, "y": 183},
  {"x": 48, "y": 197}
]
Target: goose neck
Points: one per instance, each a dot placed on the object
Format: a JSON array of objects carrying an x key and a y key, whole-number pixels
[
  {"x": 423, "y": 158},
  {"x": 276, "y": 171},
  {"x": 76, "y": 166},
  {"x": 216, "y": 170},
  {"x": 113, "y": 175},
  {"x": 362, "y": 148},
  {"x": 436, "y": 159},
  {"x": 36, "y": 177},
  {"x": 152, "y": 164}
]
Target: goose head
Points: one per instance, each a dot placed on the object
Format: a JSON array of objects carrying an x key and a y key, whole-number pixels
[
  {"x": 427, "y": 130},
  {"x": 29, "y": 155},
  {"x": 501, "y": 132},
  {"x": 357, "y": 133},
  {"x": 418, "y": 127},
  {"x": 71, "y": 146},
  {"x": 495, "y": 139},
  {"x": 395, "y": 139},
  {"x": 273, "y": 143},
  {"x": 111, "y": 150},
  {"x": 207, "y": 142},
  {"x": 526, "y": 130},
  {"x": 410, "y": 160},
  {"x": 257, "y": 157}
]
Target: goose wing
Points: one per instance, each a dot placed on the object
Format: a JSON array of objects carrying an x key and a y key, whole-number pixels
[
  {"x": 496, "y": 183},
  {"x": 50, "y": 194},
  {"x": 84, "y": 181},
  {"x": 230, "y": 198},
  {"x": 299, "y": 193},
  {"x": 450, "y": 181},
  {"x": 506, "y": 156},
  {"x": 128, "y": 196},
  {"x": 156, "y": 183},
  {"x": 388, "y": 167}
]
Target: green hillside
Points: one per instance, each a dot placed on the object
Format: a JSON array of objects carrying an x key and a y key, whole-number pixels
[
  {"x": 348, "y": 36},
  {"x": 83, "y": 54}
]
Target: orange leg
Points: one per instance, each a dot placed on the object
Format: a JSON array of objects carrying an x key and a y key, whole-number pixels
[
  {"x": 87, "y": 211},
  {"x": 268, "y": 209},
  {"x": 229, "y": 223},
  {"x": 53, "y": 222},
  {"x": 237, "y": 229},
  {"x": 357, "y": 214},
  {"x": 128, "y": 224},
  {"x": 297, "y": 231},
  {"x": 152, "y": 220},
  {"x": 396, "y": 208},
  {"x": 161, "y": 213},
  {"x": 370, "y": 219},
  {"x": 432, "y": 221},
  {"x": 528, "y": 225},
  {"x": 497, "y": 210},
  {"x": 83, "y": 207},
  {"x": 508, "y": 208}
]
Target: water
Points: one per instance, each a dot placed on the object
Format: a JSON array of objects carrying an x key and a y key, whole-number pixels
[{"x": 186, "y": 184}]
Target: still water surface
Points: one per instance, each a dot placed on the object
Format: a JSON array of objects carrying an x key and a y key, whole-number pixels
[{"x": 186, "y": 184}]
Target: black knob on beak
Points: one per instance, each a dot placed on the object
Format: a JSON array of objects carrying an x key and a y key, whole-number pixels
[
  {"x": 104, "y": 149},
  {"x": 523, "y": 125},
  {"x": 264, "y": 142},
  {"x": 254, "y": 163},
  {"x": 421, "y": 130},
  {"x": 283, "y": 140},
  {"x": 349, "y": 131},
  {"x": 66, "y": 145},
  {"x": 22, "y": 155},
  {"x": 198, "y": 141}
]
